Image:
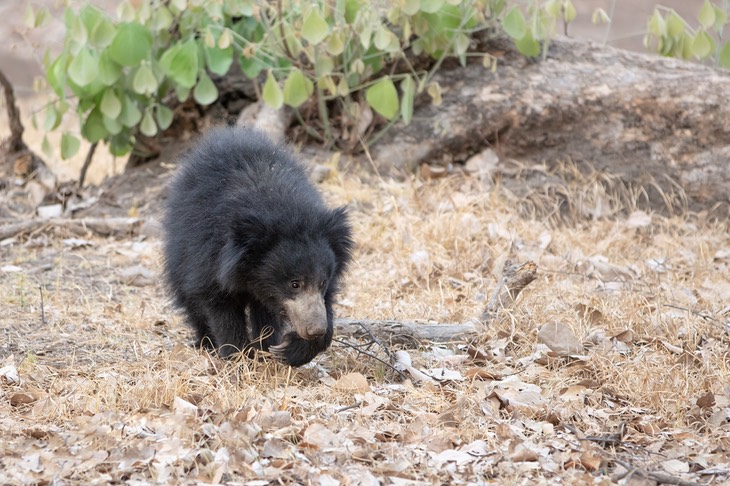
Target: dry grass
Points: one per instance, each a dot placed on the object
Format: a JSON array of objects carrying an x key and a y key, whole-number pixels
[{"x": 109, "y": 390}]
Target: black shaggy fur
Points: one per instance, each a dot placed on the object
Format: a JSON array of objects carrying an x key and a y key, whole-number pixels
[{"x": 242, "y": 223}]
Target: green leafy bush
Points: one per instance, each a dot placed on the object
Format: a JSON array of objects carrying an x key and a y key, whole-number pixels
[
  {"x": 671, "y": 35},
  {"x": 540, "y": 25},
  {"x": 122, "y": 76}
]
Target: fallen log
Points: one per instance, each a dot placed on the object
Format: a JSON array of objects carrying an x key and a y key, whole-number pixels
[
  {"x": 659, "y": 125},
  {"x": 513, "y": 281},
  {"x": 116, "y": 227}
]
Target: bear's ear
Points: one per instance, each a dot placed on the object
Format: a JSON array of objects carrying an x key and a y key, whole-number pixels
[
  {"x": 247, "y": 240},
  {"x": 338, "y": 232}
]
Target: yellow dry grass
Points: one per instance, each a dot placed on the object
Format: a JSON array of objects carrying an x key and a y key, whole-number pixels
[{"x": 108, "y": 389}]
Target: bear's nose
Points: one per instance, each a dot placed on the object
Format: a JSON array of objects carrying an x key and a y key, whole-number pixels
[{"x": 315, "y": 331}]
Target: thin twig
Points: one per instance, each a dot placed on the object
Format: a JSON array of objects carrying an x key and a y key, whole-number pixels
[
  {"x": 655, "y": 476},
  {"x": 15, "y": 142},
  {"x": 43, "y": 309},
  {"x": 370, "y": 355},
  {"x": 375, "y": 340},
  {"x": 87, "y": 163}
]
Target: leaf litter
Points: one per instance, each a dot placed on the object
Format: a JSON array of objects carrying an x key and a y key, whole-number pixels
[{"x": 612, "y": 368}]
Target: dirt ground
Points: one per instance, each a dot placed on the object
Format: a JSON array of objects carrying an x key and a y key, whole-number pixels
[{"x": 612, "y": 367}]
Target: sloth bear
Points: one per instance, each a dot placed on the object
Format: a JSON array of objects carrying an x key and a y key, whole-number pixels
[{"x": 251, "y": 253}]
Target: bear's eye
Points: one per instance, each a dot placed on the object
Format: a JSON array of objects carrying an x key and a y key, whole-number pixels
[{"x": 295, "y": 284}]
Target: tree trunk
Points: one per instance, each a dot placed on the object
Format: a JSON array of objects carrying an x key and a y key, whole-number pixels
[{"x": 658, "y": 123}]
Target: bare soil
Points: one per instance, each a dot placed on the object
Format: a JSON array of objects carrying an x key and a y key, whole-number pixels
[{"x": 611, "y": 368}]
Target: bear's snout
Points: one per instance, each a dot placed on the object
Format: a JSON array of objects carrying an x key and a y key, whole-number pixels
[{"x": 307, "y": 315}]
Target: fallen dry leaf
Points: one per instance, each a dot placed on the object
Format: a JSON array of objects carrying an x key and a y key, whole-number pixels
[
  {"x": 352, "y": 383},
  {"x": 707, "y": 400},
  {"x": 25, "y": 397},
  {"x": 675, "y": 466},
  {"x": 560, "y": 339}
]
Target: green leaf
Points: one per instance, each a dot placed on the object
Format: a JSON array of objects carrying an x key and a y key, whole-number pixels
[
  {"x": 685, "y": 46},
  {"x": 251, "y": 66},
  {"x": 109, "y": 71},
  {"x": 656, "y": 24},
  {"x": 161, "y": 18},
  {"x": 600, "y": 17},
  {"x": 314, "y": 27},
  {"x": 205, "y": 91},
  {"x": 461, "y": 43},
  {"x": 411, "y": 7},
  {"x": 528, "y": 46},
  {"x": 365, "y": 35},
  {"x": 702, "y": 45},
  {"x": 56, "y": 74},
  {"x": 553, "y": 7},
  {"x": 145, "y": 81},
  {"x": 125, "y": 12},
  {"x": 272, "y": 93},
  {"x": 78, "y": 33},
  {"x": 182, "y": 92},
  {"x": 90, "y": 16},
  {"x": 52, "y": 119},
  {"x": 131, "y": 44},
  {"x": 720, "y": 19},
  {"x": 297, "y": 88},
  {"x": 208, "y": 38},
  {"x": 110, "y": 105},
  {"x": 514, "y": 24},
  {"x": 148, "y": 126},
  {"x": 180, "y": 63},
  {"x": 46, "y": 147},
  {"x": 69, "y": 145},
  {"x": 408, "y": 90},
  {"x": 343, "y": 89},
  {"x": 224, "y": 41},
  {"x": 383, "y": 97},
  {"x": 84, "y": 68},
  {"x": 570, "y": 13},
  {"x": 219, "y": 60},
  {"x": 323, "y": 65},
  {"x": 434, "y": 91},
  {"x": 543, "y": 27},
  {"x": 103, "y": 34},
  {"x": 130, "y": 114},
  {"x": 384, "y": 39},
  {"x": 352, "y": 7},
  {"x": 42, "y": 17},
  {"x": 723, "y": 57},
  {"x": 675, "y": 24},
  {"x": 112, "y": 125},
  {"x": 163, "y": 115},
  {"x": 706, "y": 15},
  {"x": 335, "y": 44},
  {"x": 93, "y": 128},
  {"x": 431, "y": 6},
  {"x": 179, "y": 5},
  {"x": 120, "y": 145}
]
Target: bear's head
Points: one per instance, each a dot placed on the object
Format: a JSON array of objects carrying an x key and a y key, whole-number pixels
[{"x": 290, "y": 263}]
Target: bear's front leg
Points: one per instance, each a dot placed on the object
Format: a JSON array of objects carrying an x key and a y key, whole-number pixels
[{"x": 226, "y": 319}]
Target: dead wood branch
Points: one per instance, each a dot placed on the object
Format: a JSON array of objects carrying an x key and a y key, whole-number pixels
[
  {"x": 15, "y": 157},
  {"x": 652, "y": 122},
  {"x": 15, "y": 141},
  {"x": 514, "y": 279},
  {"x": 117, "y": 227},
  {"x": 87, "y": 163}
]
